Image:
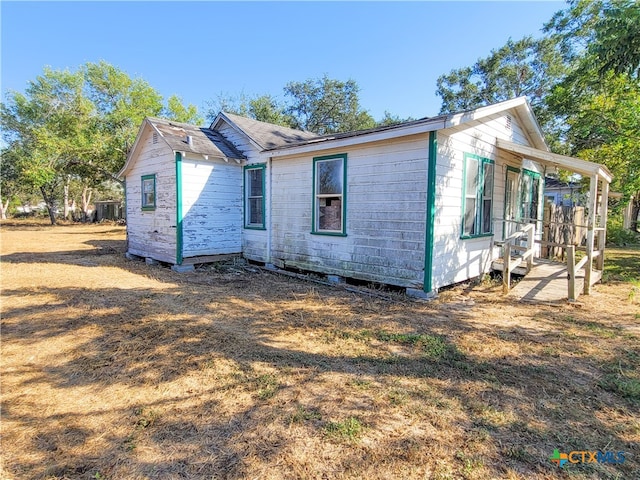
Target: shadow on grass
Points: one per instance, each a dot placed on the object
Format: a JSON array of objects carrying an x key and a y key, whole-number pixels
[{"x": 230, "y": 345}]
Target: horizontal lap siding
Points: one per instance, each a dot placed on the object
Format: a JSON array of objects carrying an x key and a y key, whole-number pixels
[
  {"x": 211, "y": 207},
  {"x": 254, "y": 242},
  {"x": 455, "y": 259},
  {"x": 386, "y": 211},
  {"x": 152, "y": 233}
]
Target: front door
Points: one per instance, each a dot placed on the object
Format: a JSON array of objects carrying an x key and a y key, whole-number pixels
[{"x": 511, "y": 210}]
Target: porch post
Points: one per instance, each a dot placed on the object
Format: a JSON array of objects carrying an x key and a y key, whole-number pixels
[
  {"x": 591, "y": 219},
  {"x": 602, "y": 234}
]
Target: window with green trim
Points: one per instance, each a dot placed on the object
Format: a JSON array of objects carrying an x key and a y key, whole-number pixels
[
  {"x": 254, "y": 200},
  {"x": 477, "y": 202},
  {"x": 148, "y": 192},
  {"x": 329, "y": 199}
]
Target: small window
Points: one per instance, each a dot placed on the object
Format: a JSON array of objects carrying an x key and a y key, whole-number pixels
[
  {"x": 148, "y": 192},
  {"x": 478, "y": 196},
  {"x": 329, "y": 180},
  {"x": 254, "y": 196}
]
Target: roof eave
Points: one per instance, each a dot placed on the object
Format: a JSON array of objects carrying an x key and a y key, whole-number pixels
[
  {"x": 326, "y": 143},
  {"x": 576, "y": 165}
]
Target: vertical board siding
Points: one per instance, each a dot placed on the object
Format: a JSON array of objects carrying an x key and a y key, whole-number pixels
[
  {"x": 211, "y": 207},
  {"x": 455, "y": 259},
  {"x": 254, "y": 242},
  {"x": 385, "y": 214},
  {"x": 152, "y": 233}
]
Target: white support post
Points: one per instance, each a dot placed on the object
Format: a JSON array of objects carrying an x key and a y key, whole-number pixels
[
  {"x": 602, "y": 234},
  {"x": 571, "y": 272},
  {"x": 506, "y": 272},
  {"x": 530, "y": 246},
  {"x": 591, "y": 223}
]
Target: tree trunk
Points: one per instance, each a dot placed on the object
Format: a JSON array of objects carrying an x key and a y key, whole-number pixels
[
  {"x": 4, "y": 206},
  {"x": 635, "y": 210},
  {"x": 48, "y": 200},
  {"x": 86, "y": 200},
  {"x": 65, "y": 212}
]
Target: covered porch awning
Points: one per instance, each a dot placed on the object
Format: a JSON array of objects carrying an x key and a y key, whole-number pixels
[
  {"x": 597, "y": 203},
  {"x": 577, "y": 165}
]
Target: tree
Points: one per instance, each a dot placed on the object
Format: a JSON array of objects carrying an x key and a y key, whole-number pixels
[
  {"x": 321, "y": 106},
  {"x": 78, "y": 125},
  {"x": 616, "y": 45},
  {"x": 598, "y": 101},
  {"x": 326, "y": 106},
  {"x": 523, "y": 67},
  {"x": 178, "y": 112}
]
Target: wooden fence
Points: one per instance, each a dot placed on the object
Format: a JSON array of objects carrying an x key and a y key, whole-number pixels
[{"x": 562, "y": 226}]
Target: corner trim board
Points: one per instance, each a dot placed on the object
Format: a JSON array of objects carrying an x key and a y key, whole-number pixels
[
  {"x": 178, "y": 208},
  {"x": 431, "y": 213}
]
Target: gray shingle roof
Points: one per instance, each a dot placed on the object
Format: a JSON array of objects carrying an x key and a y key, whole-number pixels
[
  {"x": 267, "y": 135},
  {"x": 204, "y": 140}
]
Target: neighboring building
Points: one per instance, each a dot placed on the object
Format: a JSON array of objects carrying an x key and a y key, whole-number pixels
[
  {"x": 563, "y": 194},
  {"x": 417, "y": 205}
]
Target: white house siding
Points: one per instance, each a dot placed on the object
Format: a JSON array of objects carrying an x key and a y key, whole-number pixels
[
  {"x": 385, "y": 214},
  {"x": 152, "y": 233},
  {"x": 211, "y": 207},
  {"x": 457, "y": 259},
  {"x": 254, "y": 242}
]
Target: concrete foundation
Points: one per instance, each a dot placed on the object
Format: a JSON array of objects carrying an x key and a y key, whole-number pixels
[{"x": 183, "y": 268}]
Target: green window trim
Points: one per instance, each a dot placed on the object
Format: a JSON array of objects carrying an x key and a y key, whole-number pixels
[
  {"x": 247, "y": 197},
  {"x": 328, "y": 199},
  {"x": 527, "y": 195},
  {"x": 148, "y": 203},
  {"x": 482, "y": 225}
]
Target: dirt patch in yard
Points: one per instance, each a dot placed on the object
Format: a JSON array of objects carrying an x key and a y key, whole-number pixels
[{"x": 116, "y": 369}]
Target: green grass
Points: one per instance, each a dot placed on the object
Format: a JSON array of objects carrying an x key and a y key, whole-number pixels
[
  {"x": 622, "y": 264},
  {"x": 350, "y": 430}
]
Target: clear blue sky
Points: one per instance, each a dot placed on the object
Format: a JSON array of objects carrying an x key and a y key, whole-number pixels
[{"x": 394, "y": 51}]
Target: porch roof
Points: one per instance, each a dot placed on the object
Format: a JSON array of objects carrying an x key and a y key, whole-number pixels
[{"x": 573, "y": 164}]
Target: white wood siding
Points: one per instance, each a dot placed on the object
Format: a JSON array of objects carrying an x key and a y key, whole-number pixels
[
  {"x": 152, "y": 233},
  {"x": 385, "y": 214},
  {"x": 455, "y": 259},
  {"x": 211, "y": 207},
  {"x": 255, "y": 243}
]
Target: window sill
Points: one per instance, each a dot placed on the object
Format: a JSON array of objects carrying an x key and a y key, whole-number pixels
[
  {"x": 471, "y": 237},
  {"x": 330, "y": 234},
  {"x": 252, "y": 227},
  {"x": 148, "y": 209}
]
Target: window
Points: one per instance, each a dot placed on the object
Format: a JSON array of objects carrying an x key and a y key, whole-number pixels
[
  {"x": 148, "y": 192},
  {"x": 254, "y": 196},
  {"x": 530, "y": 194},
  {"x": 329, "y": 180},
  {"x": 477, "y": 202}
]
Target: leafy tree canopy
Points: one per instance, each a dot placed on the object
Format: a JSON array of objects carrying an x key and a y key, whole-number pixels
[{"x": 78, "y": 123}]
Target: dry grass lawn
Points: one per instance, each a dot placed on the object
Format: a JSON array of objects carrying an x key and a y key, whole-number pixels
[{"x": 115, "y": 369}]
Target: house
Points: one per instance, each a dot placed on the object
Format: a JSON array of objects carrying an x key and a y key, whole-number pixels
[
  {"x": 563, "y": 194},
  {"x": 419, "y": 205}
]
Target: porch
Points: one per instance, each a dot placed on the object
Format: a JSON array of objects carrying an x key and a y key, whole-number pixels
[{"x": 545, "y": 280}]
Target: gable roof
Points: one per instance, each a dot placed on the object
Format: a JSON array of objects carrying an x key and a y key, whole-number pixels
[
  {"x": 280, "y": 141},
  {"x": 203, "y": 140},
  {"x": 264, "y": 135}
]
